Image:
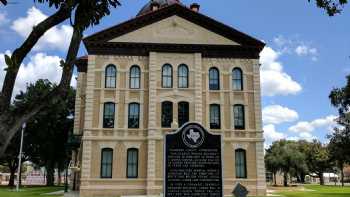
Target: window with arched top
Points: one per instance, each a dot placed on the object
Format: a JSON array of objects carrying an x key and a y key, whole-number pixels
[
  {"x": 214, "y": 79},
  {"x": 111, "y": 76},
  {"x": 134, "y": 115},
  {"x": 108, "y": 115},
  {"x": 239, "y": 114},
  {"x": 132, "y": 163},
  {"x": 167, "y": 76},
  {"x": 215, "y": 117},
  {"x": 237, "y": 79},
  {"x": 167, "y": 114},
  {"x": 241, "y": 163},
  {"x": 135, "y": 77},
  {"x": 106, "y": 163},
  {"x": 183, "y": 113},
  {"x": 182, "y": 76}
]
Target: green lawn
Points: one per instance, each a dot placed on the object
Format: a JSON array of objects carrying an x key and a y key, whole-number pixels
[
  {"x": 28, "y": 191},
  {"x": 317, "y": 191}
]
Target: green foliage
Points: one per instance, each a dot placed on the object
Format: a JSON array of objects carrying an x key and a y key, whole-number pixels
[
  {"x": 331, "y": 6},
  {"x": 87, "y": 13}
]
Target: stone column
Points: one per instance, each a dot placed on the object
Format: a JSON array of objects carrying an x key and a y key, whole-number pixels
[
  {"x": 152, "y": 123},
  {"x": 87, "y": 145},
  {"x": 260, "y": 163},
  {"x": 198, "y": 88}
]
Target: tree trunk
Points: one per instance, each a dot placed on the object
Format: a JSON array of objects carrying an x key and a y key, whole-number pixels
[
  {"x": 274, "y": 179},
  {"x": 10, "y": 122},
  {"x": 321, "y": 178},
  {"x": 302, "y": 177},
  {"x": 50, "y": 174},
  {"x": 285, "y": 179},
  {"x": 59, "y": 176},
  {"x": 342, "y": 175},
  {"x": 12, "y": 177},
  {"x": 20, "y": 53}
]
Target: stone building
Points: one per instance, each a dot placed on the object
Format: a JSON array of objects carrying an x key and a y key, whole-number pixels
[{"x": 148, "y": 76}]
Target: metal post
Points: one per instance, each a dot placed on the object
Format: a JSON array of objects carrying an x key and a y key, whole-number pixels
[{"x": 20, "y": 158}]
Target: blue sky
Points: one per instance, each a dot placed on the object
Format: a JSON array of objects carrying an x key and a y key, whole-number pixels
[{"x": 307, "y": 54}]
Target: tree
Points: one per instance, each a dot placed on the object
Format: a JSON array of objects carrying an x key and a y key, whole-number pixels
[
  {"x": 318, "y": 159},
  {"x": 47, "y": 132},
  {"x": 10, "y": 159},
  {"x": 86, "y": 14},
  {"x": 340, "y": 139},
  {"x": 332, "y": 7},
  {"x": 284, "y": 156}
]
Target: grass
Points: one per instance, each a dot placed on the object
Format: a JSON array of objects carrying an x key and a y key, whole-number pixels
[
  {"x": 28, "y": 191},
  {"x": 315, "y": 191}
]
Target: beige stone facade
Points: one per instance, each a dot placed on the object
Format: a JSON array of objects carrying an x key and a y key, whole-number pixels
[{"x": 148, "y": 138}]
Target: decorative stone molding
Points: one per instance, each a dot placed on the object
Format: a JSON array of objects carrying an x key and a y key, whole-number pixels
[
  {"x": 111, "y": 145},
  {"x": 134, "y": 144},
  {"x": 240, "y": 145}
]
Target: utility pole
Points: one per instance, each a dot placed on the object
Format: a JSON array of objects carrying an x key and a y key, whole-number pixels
[{"x": 20, "y": 158}]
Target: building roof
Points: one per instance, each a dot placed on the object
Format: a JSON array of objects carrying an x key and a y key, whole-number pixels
[
  {"x": 162, "y": 3},
  {"x": 248, "y": 47}
]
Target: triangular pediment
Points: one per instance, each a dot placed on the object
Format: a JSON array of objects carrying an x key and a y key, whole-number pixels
[{"x": 174, "y": 30}]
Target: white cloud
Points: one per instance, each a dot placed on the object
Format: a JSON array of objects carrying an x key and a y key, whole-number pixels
[
  {"x": 3, "y": 18},
  {"x": 304, "y": 50},
  {"x": 276, "y": 114},
  {"x": 271, "y": 134},
  {"x": 274, "y": 80},
  {"x": 40, "y": 66},
  {"x": 56, "y": 38},
  {"x": 304, "y": 126}
]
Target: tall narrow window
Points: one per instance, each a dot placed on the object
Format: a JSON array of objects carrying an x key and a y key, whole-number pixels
[
  {"x": 214, "y": 79},
  {"x": 183, "y": 76},
  {"x": 134, "y": 115},
  {"x": 167, "y": 114},
  {"x": 132, "y": 165},
  {"x": 106, "y": 163},
  {"x": 237, "y": 79},
  {"x": 135, "y": 75},
  {"x": 108, "y": 115},
  {"x": 183, "y": 113},
  {"x": 238, "y": 114},
  {"x": 167, "y": 76},
  {"x": 111, "y": 76},
  {"x": 241, "y": 164},
  {"x": 215, "y": 122}
]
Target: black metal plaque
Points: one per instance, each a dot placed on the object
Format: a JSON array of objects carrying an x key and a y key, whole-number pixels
[{"x": 193, "y": 165}]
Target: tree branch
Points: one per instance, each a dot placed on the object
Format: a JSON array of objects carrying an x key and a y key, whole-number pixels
[{"x": 20, "y": 53}]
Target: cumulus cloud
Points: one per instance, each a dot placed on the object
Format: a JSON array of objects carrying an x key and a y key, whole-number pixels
[
  {"x": 276, "y": 114},
  {"x": 56, "y": 38},
  {"x": 271, "y": 134},
  {"x": 308, "y": 127},
  {"x": 274, "y": 80},
  {"x": 40, "y": 66},
  {"x": 304, "y": 50}
]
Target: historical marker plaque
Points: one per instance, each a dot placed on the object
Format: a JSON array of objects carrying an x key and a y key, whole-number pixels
[{"x": 193, "y": 165}]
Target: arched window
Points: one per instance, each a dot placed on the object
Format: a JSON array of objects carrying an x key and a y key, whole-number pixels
[
  {"x": 108, "y": 115},
  {"x": 132, "y": 163},
  {"x": 237, "y": 79},
  {"x": 183, "y": 113},
  {"x": 215, "y": 117},
  {"x": 167, "y": 114},
  {"x": 167, "y": 76},
  {"x": 111, "y": 76},
  {"x": 106, "y": 163},
  {"x": 135, "y": 77},
  {"x": 238, "y": 114},
  {"x": 214, "y": 79},
  {"x": 134, "y": 115},
  {"x": 183, "y": 76},
  {"x": 241, "y": 164}
]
